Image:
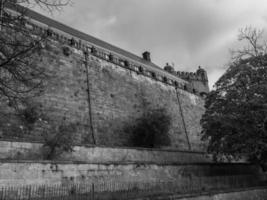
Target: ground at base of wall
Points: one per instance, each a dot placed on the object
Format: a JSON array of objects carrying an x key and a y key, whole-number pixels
[{"x": 259, "y": 193}]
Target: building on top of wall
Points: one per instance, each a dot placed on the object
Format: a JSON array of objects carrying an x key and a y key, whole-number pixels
[{"x": 198, "y": 81}]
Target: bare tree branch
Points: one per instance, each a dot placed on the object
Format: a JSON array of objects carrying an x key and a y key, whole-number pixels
[
  {"x": 255, "y": 45},
  {"x": 20, "y": 75}
]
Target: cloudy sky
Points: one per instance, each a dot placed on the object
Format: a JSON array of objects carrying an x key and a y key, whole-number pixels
[{"x": 187, "y": 33}]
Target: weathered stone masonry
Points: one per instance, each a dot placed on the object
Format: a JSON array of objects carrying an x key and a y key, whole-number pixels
[{"x": 102, "y": 89}]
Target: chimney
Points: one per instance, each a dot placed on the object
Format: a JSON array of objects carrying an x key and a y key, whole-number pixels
[{"x": 146, "y": 56}]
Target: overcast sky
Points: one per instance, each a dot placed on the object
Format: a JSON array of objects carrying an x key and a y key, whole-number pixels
[{"x": 187, "y": 33}]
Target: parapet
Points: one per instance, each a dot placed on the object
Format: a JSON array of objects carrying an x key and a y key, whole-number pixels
[{"x": 199, "y": 77}]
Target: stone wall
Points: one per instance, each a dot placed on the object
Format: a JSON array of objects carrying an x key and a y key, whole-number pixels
[
  {"x": 10, "y": 150},
  {"x": 244, "y": 194},
  {"x": 18, "y": 173},
  {"x": 119, "y": 97},
  {"x": 111, "y": 99}
]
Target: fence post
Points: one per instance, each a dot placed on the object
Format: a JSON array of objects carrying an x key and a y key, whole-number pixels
[
  {"x": 43, "y": 191},
  {"x": 29, "y": 192},
  {"x": 2, "y": 193},
  {"x": 93, "y": 191}
]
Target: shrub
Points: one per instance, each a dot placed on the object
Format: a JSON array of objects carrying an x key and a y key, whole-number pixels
[
  {"x": 58, "y": 140},
  {"x": 66, "y": 51},
  {"x": 151, "y": 130},
  {"x": 30, "y": 114}
]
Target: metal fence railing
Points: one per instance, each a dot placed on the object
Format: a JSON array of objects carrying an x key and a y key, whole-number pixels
[{"x": 115, "y": 190}]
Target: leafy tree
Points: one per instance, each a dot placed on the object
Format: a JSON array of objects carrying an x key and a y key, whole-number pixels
[
  {"x": 236, "y": 111},
  {"x": 20, "y": 75},
  {"x": 151, "y": 130},
  {"x": 59, "y": 139}
]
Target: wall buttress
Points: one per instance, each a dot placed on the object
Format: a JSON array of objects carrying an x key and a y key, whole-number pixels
[
  {"x": 183, "y": 120},
  {"x": 89, "y": 98}
]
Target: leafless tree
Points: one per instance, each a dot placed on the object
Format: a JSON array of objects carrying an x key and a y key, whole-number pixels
[
  {"x": 20, "y": 74},
  {"x": 255, "y": 45},
  {"x": 49, "y": 5}
]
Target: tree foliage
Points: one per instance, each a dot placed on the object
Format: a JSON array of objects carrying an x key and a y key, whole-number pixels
[
  {"x": 151, "y": 130},
  {"x": 59, "y": 139},
  {"x": 20, "y": 47},
  {"x": 236, "y": 111}
]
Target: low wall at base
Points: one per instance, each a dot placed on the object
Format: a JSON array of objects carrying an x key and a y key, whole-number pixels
[
  {"x": 18, "y": 173},
  {"x": 93, "y": 154},
  {"x": 248, "y": 194},
  {"x": 21, "y": 163}
]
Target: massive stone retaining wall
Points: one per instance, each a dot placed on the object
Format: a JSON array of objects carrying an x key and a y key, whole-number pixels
[
  {"x": 119, "y": 97},
  {"x": 106, "y": 103}
]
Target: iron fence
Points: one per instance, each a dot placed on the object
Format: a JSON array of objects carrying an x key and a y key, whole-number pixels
[{"x": 114, "y": 190}]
